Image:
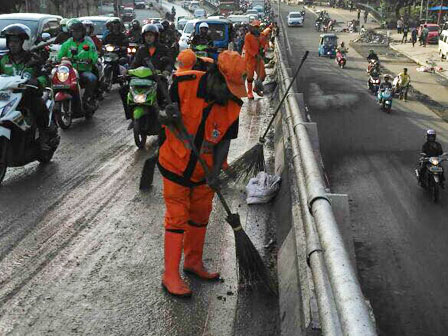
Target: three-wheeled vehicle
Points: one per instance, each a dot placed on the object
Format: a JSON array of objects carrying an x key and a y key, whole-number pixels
[
  {"x": 220, "y": 31},
  {"x": 327, "y": 45}
]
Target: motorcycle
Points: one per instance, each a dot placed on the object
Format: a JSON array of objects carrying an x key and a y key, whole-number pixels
[
  {"x": 317, "y": 25},
  {"x": 142, "y": 99},
  {"x": 373, "y": 84},
  {"x": 432, "y": 178},
  {"x": 203, "y": 50},
  {"x": 112, "y": 62},
  {"x": 70, "y": 100},
  {"x": 384, "y": 98},
  {"x": 373, "y": 64},
  {"x": 341, "y": 59},
  {"x": 131, "y": 51},
  {"x": 19, "y": 136}
]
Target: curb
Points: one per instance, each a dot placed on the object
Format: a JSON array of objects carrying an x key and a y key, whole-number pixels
[{"x": 444, "y": 74}]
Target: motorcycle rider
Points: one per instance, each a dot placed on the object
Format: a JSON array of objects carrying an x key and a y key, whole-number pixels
[
  {"x": 158, "y": 55},
  {"x": 167, "y": 37},
  {"x": 86, "y": 53},
  {"x": 135, "y": 33},
  {"x": 403, "y": 83},
  {"x": 64, "y": 35},
  {"x": 203, "y": 38},
  {"x": 20, "y": 61},
  {"x": 431, "y": 148},
  {"x": 372, "y": 56},
  {"x": 386, "y": 84},
  {"x": 90, "y": 28},
  {"x": 342, "y": 49},
  {"x": 116, "y": 35}
]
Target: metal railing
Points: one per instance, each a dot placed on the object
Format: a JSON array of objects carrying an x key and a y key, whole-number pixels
[{"x": 342, "y": 307}]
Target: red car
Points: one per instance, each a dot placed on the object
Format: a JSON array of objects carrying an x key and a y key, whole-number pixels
[{"x": 433, "y": 32}]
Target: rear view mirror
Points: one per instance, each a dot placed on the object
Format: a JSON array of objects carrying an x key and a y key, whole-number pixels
[{"x": 45, "y": 37}]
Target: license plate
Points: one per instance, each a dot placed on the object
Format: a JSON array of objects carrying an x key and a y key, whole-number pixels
[
  {"x": 5, "y": 95},
  {"x": 436, "y": 169}
]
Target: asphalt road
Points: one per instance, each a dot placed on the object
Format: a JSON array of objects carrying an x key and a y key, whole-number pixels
[
  {"x": 81, "y": 248},
  {"x": 399, "y": 233}
]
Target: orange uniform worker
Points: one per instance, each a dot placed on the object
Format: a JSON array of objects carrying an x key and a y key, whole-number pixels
[
  {"x": 208, "y": 104},
  {"x": 189, "y": 61},
  {"x": 265, "y": 38},
  {"x": 254, "y": 60}
]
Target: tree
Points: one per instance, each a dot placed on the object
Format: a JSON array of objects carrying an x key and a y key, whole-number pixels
[{"x": 11, "y": 6}]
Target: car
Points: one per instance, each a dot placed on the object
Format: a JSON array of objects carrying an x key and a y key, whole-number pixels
[
  {"x": 99, "y": 23},
  {"x": 217, "y": 17},
  {"x": 180, "y": 25},
  {"x": 239, "y": 18},
  {"x": 38, "y": 24},
  {"x": 140, "y": 4},
  {"x": 193, "y": 5},
  {"x": 128, "y": 14},
  {"x": 443, "y": 45},
  {"x": 186, "y": 34},
  {"x": 199, "y": 13},
  {"x": 185, "y": 4},
  {"x": 253, "y": 12},
  {"x": 152, "y": 20},
  {"x": 295, "y": 19},
  {"x": 433, "y": 32},
  {"x": 260, "y": 10}
]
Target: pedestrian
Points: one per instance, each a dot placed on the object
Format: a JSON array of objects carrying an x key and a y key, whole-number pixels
[
  {"x": 414, "y": 36},
  {"x": 209, "y": 103},
  {"x": 405, "y": 33},
  {"x": 399, "y": 25},
  {"x": 366, "y": 14},
  {"x": 351, "y": 5},
  {"x": 424, "y": 35},
  {"x": 403, "y": 84},
  {"x": 254, "y": 59},
  {"x": 359, "y": 14}
]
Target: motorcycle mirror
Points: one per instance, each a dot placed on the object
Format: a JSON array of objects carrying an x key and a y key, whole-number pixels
[
  {"x": 86, "y": 47},
  {"x": 45, "y": 37}
]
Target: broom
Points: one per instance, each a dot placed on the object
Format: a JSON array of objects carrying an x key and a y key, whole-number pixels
[
  {"x": 252, "y": 162},
  {"x": 251, "y": 267}
]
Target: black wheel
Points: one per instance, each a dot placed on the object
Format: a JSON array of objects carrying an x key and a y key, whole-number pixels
[
  {"x": 63, "y": 114},
  {"x": 109, "y": 80},
  {"x": 139, "y": 138},
  {"x": 3, "y": 164},
  {"x": 46, "y": 157}
]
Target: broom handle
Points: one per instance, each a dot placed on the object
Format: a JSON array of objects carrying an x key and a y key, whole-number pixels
[
  {"x": 284, "y": 97},
  {"x": 184, "y": 134}
]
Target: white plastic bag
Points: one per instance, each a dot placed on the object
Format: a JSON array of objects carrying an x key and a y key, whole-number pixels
[{"x": 262, "y": 188}]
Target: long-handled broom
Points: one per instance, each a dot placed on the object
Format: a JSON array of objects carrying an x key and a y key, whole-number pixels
[{"x": 252, "y": 162}]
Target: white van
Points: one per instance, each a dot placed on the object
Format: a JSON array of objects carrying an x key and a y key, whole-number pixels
[
  {"x": 199, "y": 13},
  {"x": 238, "y": 18},
  {"x": 193, "y": 5},
  {"x": 443, "y": 44}
]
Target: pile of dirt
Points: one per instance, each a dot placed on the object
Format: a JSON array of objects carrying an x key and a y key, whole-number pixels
[{"x": 372, "y": 37}]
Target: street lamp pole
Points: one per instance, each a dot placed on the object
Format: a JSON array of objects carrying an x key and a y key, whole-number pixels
[
  {"x": 421, "y": 10},
  {"x": 440, "y": 12}
]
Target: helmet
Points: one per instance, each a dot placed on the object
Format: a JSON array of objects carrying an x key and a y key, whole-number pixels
[
  {"x": 75, "y": 25},
  {"x": 159, "y": 27},
  {"x": 386, "y": 76},
  {"x": 135, "y": 22},
  {"x": 371, "y": 51},
  {"x": 17, "y": 29},
  {"x": 203, "y": 25},
  {"x": 63, "y": 22},
  {"x": 165, "y": 24},
  {"x": 114, "y": 21},
  {"x": 89, "y": 26},
  {"x": 150, "y": 28},
  {"x": 431, "y": 135}
]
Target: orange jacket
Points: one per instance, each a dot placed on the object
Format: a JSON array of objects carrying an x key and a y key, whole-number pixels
[
  {"x": 265, "y": 37},
  {"x": 206, "y": 123},
  {"x": 251, "y": 45}
]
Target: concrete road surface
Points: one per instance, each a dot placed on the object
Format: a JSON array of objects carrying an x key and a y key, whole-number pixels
[{"x": 400, "y": 235}]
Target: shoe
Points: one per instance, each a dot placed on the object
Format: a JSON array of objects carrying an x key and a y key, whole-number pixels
[
  {"x": 193, "y": 251},
  {"x": 131, "y": 125},
  {"x": 171, "y": 280},
  {"x": 250, "y": 93}
]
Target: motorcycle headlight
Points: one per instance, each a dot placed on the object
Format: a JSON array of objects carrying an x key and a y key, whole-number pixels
[
  {"x": 434, "y": 161},
  {"x": 110, "y": 48},
  {"x": 140, "y": 98},
  {"x": 62, "y": 73}
]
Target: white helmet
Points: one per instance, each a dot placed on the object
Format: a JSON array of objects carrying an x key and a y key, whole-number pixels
[{"x": 203, "y": 25}]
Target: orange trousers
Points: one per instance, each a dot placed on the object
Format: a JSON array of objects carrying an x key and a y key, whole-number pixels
[
  {"x": 255, "y": 66},
  {"x": 184, "y": 204}
]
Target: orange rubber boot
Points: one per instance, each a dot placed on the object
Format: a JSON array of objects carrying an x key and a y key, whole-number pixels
[
  {"x": 250, "y": 94},
  {"x": 171, "y": 280},
  {"x": 193, "y": 250}
]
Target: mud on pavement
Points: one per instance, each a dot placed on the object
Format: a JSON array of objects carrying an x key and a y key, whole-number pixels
[{"x": 82, "y": 248}]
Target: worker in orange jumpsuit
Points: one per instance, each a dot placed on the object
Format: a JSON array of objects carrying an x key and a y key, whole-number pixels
[
  {"x": 253, "y": 57},
  {"x": 265, "y": 38},
  {"x": 189, "y": 61},
  {"x": 208, "y": 104}
]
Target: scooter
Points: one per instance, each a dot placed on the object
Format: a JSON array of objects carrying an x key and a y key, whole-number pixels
[
  {"x": 142, "y": 99},
  {"x": 341, "y": 59},
  {"x": 19, "y": 136},
  {"x": 373, "y": 84},
  {"x": 70, "y": 100},
  {"x": 432, "y": 179},
  {"x": 112, "y": 62},
  {"x": 384, "y": 98}
]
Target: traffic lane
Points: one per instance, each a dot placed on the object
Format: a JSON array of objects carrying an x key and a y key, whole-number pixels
[
  {"x": 371, "y": 156},
  {"x": 143, "y": 14},
  {"x": 180, "y": 11}
]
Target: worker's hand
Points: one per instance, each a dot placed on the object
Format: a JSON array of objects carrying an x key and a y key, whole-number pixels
[
  {"x": 171, "y": 115},
  {"x": 213, "y": 181}
]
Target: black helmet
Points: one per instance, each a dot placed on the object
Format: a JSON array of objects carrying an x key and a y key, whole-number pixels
[
  {"x": 135, "y": 23},
  {"x": 16, "y": 29},
  {"x": 75, "y": 25},
  {"x": 114, "y": 21},
  {"x": 150, "y": 28},
  {"x": 431, "y": 135},
  {"x": 165, "y": 24}
]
